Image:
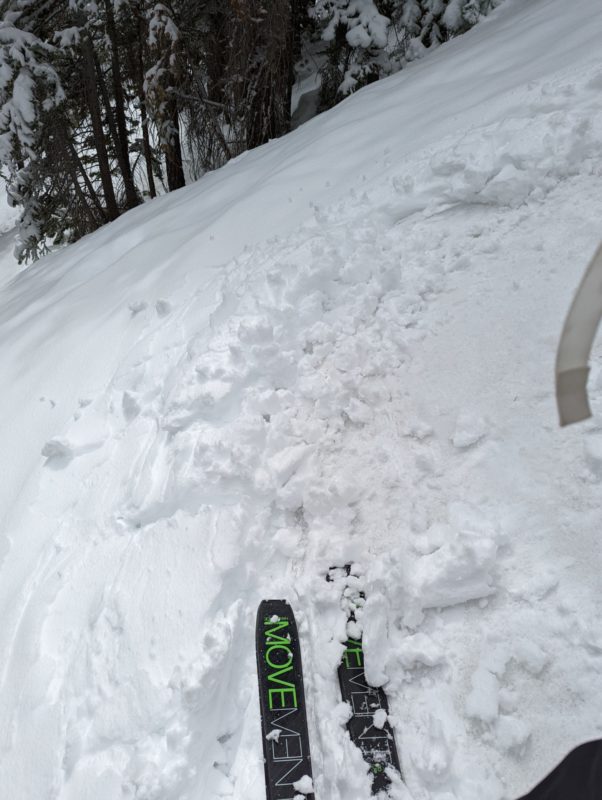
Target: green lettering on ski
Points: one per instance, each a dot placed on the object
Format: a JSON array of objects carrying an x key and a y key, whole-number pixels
[
  {"x": 287, "y": 696},
  {"x": 284, "y": 693},
  {"x": 270, "y": 633},
  {"x": 353, "y": 655},
  {"x": 273, "y": 677},
  {"x": 287, "y": 654}
]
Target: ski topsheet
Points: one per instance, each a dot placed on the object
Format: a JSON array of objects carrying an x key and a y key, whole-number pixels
[
  {"x": 286, "y": 754},
  {"x": 368, "y": 726}
]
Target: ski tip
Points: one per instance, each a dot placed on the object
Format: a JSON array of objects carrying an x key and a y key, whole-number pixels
[
  {"x": 276, "y": 604},
  {"x": 276, "y": 609}
]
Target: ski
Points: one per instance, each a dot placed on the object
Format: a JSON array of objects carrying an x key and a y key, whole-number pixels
[
  {"x": 287, "y": 759},
  {"x": 368, "y": 726}
]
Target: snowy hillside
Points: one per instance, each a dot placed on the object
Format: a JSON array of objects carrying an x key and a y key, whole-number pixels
[{"x": 337, "y": 348}]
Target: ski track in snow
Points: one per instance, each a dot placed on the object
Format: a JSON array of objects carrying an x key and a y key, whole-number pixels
[{"x": 353, "y": 395}]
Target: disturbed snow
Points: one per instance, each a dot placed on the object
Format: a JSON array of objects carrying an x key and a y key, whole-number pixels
[{"x": 339, "y": 348}]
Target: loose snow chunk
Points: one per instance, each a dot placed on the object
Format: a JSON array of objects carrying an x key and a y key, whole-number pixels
[
  {"x": 285, "y": 463},
  {"x": 274, "y": 735},
  {"x": 420, "y": 649},
  {"x": 435, "y": 537},
  {"x": 359, "y": 412},
  {"x": 57, "y": 448},
  {"x": 83, "y": 440},
  {"x": 531, "y": 656},
  {"x": 457, "y": 572},
  {"x": 535, "y": 587},
  {"x": 380, "y": 718},
  {"x": 510, "y": 187},
  {"x": 342, "y": 713},
  {"x": 304, "y": 785},
  {"x": 376, "y": 638},
  {"x": 512, "y": 734},
  {"x": 137, "y": 306},
  {"x": 470, "y": 429}
]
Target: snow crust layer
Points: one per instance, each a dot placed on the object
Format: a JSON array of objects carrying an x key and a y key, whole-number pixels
[{"x": 339, "y": 348}]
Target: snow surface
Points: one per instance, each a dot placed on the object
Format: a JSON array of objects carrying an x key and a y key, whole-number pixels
[{"x": 338, "y": 348}]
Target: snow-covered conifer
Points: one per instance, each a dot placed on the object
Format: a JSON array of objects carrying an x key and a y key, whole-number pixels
[
  {"x": 367, "y": 39},
  {"x": 30, "y": 90},
  {"x": 356, "y": 34},
  {"x": 428, "y": 23}
]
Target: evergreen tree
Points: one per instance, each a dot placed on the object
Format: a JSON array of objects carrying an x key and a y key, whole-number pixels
[
  {"x": 241, "y": 84},
  {"x": 428, "y": 23},
  {"x": 103, "y": 102},
  {"x": 356, "y": 34},
  {"x": 163, "y": 81},
  {"x": 368, "y": 39},
  {"x": 77, "y": 173},
  {"x": 30, "y": 96}
]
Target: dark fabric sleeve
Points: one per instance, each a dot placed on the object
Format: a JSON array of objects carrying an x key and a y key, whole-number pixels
[{"x": 577, "y": 777}]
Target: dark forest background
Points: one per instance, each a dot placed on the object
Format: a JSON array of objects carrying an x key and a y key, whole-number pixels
[{"x": 105, "y": 104}]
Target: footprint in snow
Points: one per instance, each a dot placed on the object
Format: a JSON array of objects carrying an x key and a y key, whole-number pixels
[
  {"x": 137, "y": 306},
  {"x": 163, "y": 308}
]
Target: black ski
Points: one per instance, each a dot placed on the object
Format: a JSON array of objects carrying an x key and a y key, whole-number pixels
[
  {"x": 376, "y": 741},
  {"x": 282, "y": 703}
]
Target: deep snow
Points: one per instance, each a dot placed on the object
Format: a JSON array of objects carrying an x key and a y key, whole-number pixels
[{"x": 337, "y": 348}]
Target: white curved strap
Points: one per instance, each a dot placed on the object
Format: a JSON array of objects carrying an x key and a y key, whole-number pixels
[{"x": 575, "y": 345}]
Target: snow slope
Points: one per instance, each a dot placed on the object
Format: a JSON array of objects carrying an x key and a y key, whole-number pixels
[{"x": 337, "y": 348}]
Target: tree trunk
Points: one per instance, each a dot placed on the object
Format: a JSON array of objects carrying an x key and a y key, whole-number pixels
[
  {"x": 294, "y": 51},
  {"x": 83, "y": 202},
  {"x": 270, "y": 79},
  {"x": 216, "y": 54},
  {"x": 91, "y": 90},
  {"x": 146, "y": 145},
  {"x": 147, "y": 150},
  {"x": 88, "y": 184},
  {"x": 173, "y": 151},
  {"x": 122, "y": 143}
]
